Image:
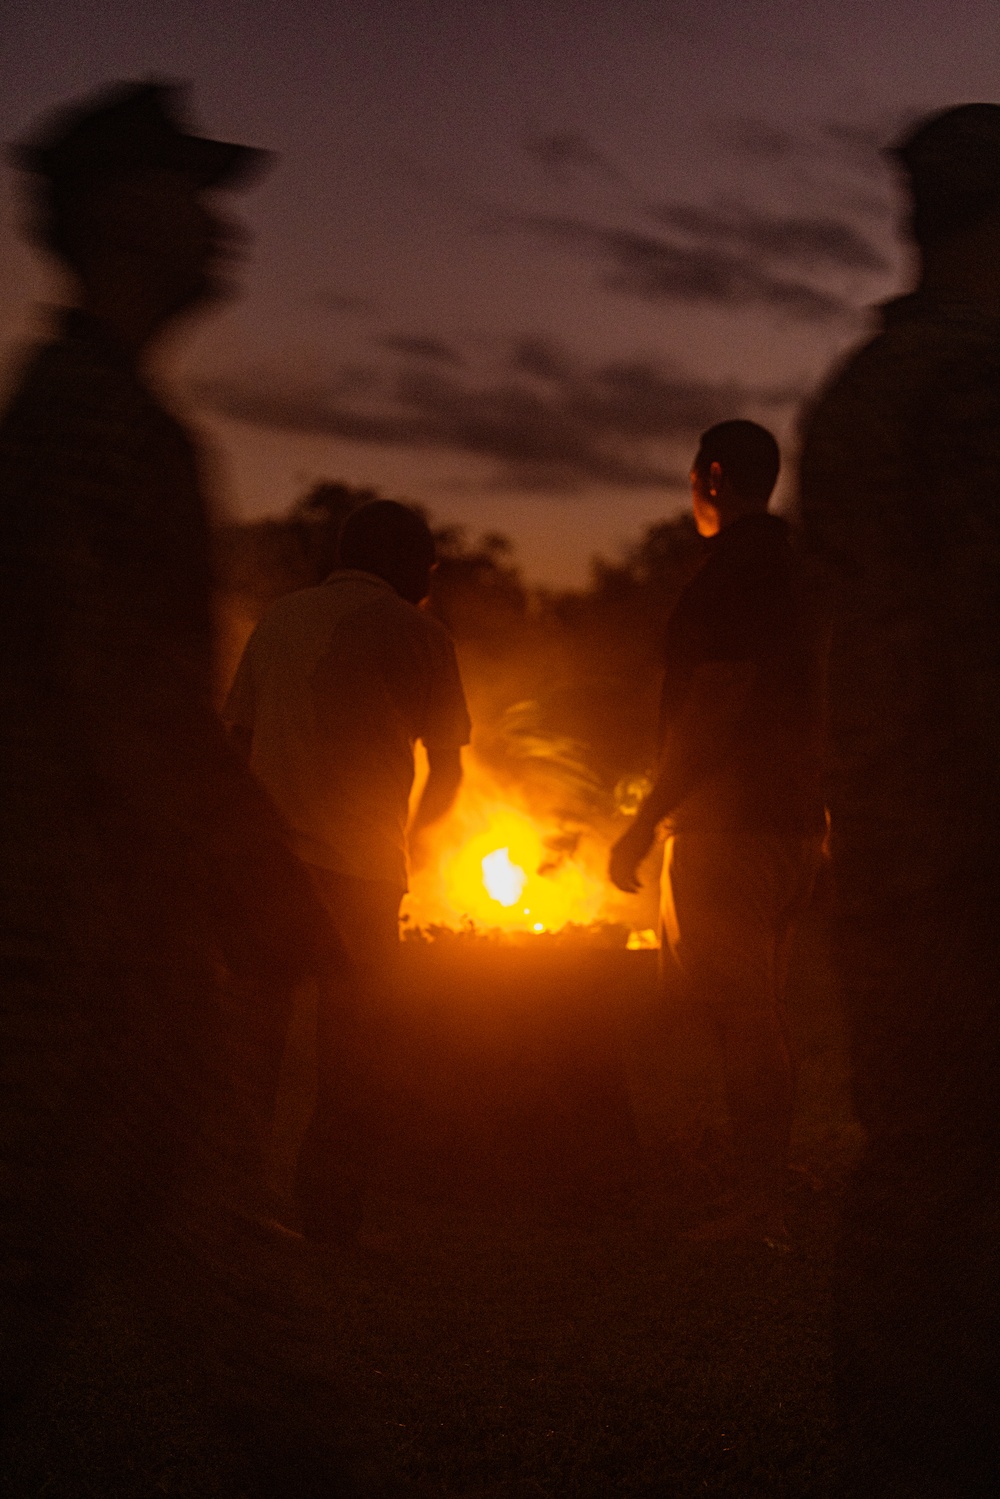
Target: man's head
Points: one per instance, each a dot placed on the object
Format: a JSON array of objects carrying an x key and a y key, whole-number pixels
[
  {"x": 952, "y": 165},
  {"x": 733, "y": 474},
  {"x": 393, "y": 542},
  {"x": 119, "y": 191}
]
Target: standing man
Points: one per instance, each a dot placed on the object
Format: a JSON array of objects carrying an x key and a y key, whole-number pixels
[
  {"x": 739, "y": 782},
  {"x": 336, "y": 685},
  {"x": 901, "y": 495},
  {"x": 152, "y": 919}
]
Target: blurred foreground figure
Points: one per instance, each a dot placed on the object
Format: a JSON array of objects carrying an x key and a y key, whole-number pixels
[
  {"x": 336, "y": 685},
  {"x": 739, "y": 781},
  {"x": 901, "y": 493},
  {"x": 152, "y": 921}
]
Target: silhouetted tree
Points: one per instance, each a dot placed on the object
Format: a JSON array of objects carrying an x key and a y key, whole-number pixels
[
  {"x": 477, "y": 589},
  {"x": 259, "y": 561}
]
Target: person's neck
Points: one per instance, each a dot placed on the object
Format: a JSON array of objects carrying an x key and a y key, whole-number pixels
[
  {"x": 966, "y": 269},
  {"x": 135, "y": 320},
  {"x": 744, "y": 513}
]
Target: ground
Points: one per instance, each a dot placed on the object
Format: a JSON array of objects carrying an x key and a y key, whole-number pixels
[{"x": 496, "y": 1350}]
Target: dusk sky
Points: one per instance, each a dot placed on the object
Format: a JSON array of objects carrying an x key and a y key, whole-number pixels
[{"x": 515, "y": 255}]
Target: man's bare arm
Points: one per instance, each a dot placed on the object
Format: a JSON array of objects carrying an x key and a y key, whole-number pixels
[
  {"x": 700, "y": 738},
  {"x": 444, "y": 776}
]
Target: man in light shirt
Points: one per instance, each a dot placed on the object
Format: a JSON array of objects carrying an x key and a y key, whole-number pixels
[{"x": 335, "y": 687}]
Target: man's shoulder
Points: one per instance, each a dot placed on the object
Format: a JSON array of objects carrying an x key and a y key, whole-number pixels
[
  {"x": 345, "y": 603},
  {"x": 906, "y": 374},
  {"x": 289, "y": 611},
  {"x": 745, "y": 592},
  {"x": 73, "y": 385},
  {"x": 412, "y": 634},
  {"x": 741, "y": 555},
  {"x": 377, "y": 606},
  {"x": 866, "y": 372}
]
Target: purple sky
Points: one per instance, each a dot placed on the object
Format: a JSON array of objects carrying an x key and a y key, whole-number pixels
[{"x": 516, "y": 255}]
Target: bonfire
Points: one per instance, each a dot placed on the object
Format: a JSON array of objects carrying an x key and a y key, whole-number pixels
[{"x": 524, "y": 850}]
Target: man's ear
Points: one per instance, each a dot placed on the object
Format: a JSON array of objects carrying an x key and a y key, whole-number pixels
[{"x": 714, "y": 479}]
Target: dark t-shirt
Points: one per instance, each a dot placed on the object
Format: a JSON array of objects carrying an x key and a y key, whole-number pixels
[
  {"x": 751, "y": 601},
  {"x": 900, "y": 494}
]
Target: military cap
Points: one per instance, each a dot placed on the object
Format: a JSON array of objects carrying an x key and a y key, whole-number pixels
[
  {"x": 954, "y": 154},
  {"x": 128, "y": 127}
]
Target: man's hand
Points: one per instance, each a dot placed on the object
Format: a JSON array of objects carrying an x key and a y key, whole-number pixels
[{"x": 627, "y": 854}]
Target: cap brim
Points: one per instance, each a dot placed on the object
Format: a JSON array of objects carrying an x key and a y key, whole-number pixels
[{"x": 221, "y": 164}]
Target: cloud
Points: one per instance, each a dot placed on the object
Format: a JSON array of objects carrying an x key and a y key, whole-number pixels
[
  {"x": 416, "y": 346},
  {"x": 757, "y": 138},
  {"x": 561, "y": 153},
  {"x": 541, "y": 426},
  {"x": 862, "y": 146},
  {"x": 730, "y": 254},
  {"x": 802, "y": 242},
  {"x": 540, "y": 357},
  {"x": 858, "y": 144},
  {"x": 657, "y": 269}
]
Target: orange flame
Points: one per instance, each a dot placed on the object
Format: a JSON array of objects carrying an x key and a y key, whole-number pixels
[{"x": 495, "y": 864}]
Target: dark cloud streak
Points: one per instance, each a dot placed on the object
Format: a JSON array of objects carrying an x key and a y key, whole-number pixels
[
  {"x": 562, "y": 153},
  {"x": 757, "y": 138},
  {"x": 539, "y": 357},
  {"x": 799, "y": 242},
  {"x": 625, "y": 423},
  {"x": 859, "y": 146},
  {"x": 655, "y": 269},
  {"x": 728, "y": 254},
  {"x": 418, "y": 346}
]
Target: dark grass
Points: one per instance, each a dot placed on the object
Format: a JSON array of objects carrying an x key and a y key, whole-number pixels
[
  {"x": 607, "y": 1362},
  {"x": 486, "y": 1340}
]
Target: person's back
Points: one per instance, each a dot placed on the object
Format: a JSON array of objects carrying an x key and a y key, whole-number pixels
[
  {"x": 900, "y": 471},
  {"x": 753, "y": 599},
  {"x": 900, "y": 489},
  {"x": 340, "y": 681},
  {"x": 335, "y": 687},
  {"x": 106, "y": 616},
  {"x": 152, "y": 918}
]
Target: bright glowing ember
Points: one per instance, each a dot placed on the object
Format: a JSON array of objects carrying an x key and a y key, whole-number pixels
[{"x": 504, "y": 881}]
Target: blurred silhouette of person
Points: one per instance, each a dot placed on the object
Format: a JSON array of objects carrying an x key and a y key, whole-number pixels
[
  {"x": 900, "y": 487},
  {"x": 739, "y": 782},
  {"x": 154, "y": 921},
  {"x": 336, "y": 685}
]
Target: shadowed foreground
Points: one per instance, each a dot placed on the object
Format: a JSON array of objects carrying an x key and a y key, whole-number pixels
[{"x": 494, "y": 1348}]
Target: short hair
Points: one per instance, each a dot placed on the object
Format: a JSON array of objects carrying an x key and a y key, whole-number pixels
[
  {"x": 952, "y": 162},
  {"x": 748, "y": 455},
  {"x": 391, "y": 540}
]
